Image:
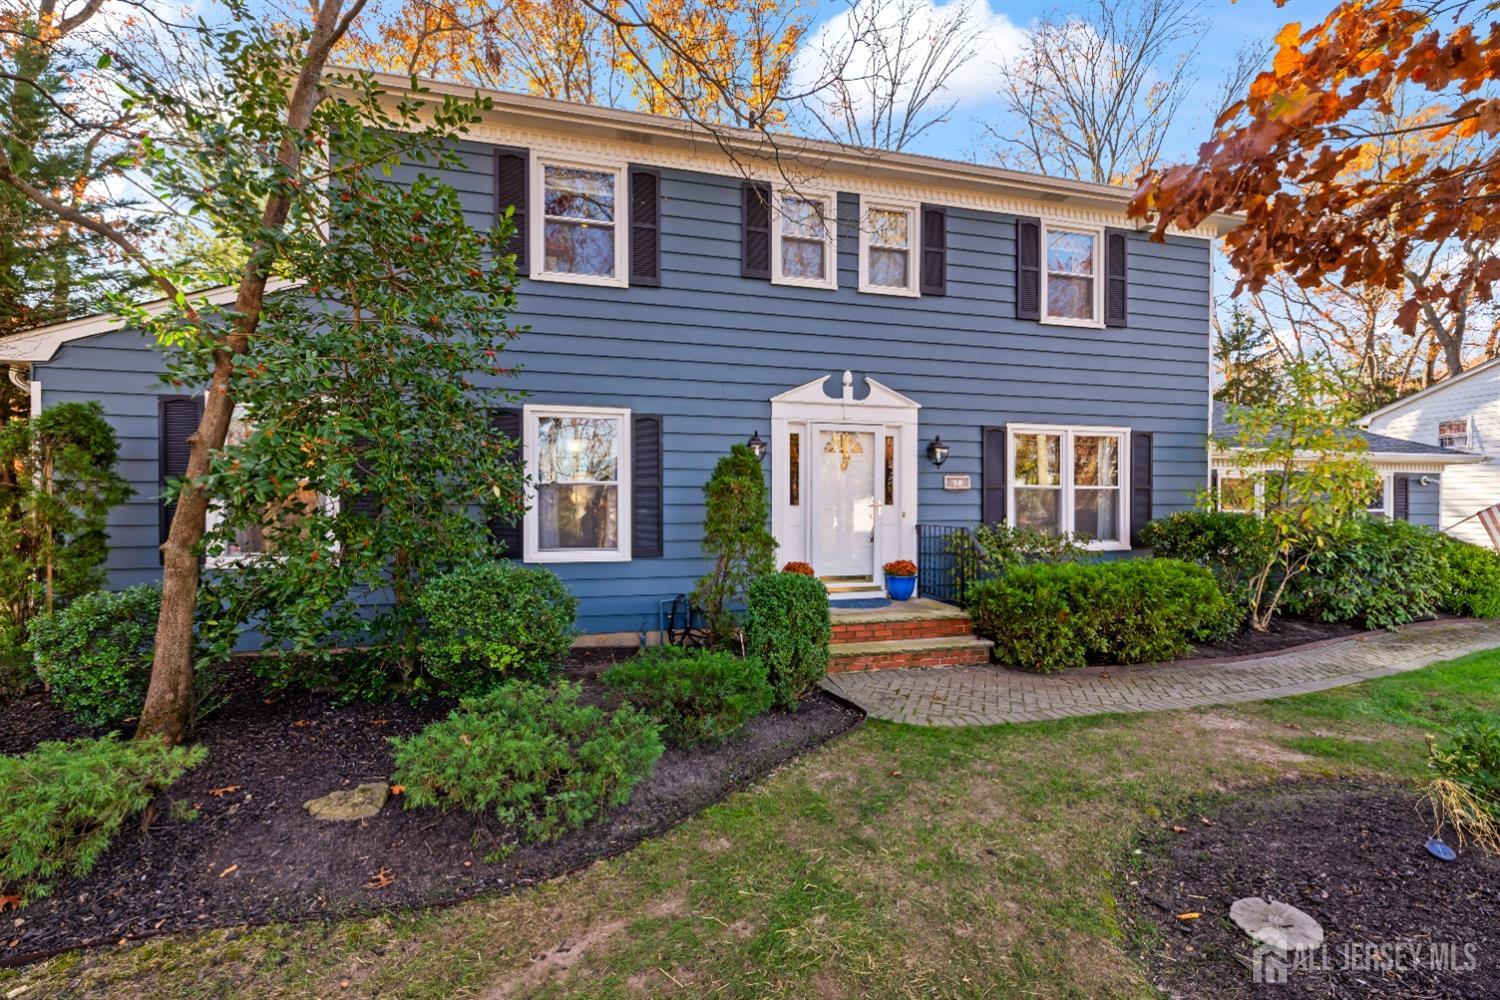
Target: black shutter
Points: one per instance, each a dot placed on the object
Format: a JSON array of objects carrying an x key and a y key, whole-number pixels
[
  {"x": 177, "y": 418},
  {"x": 1401, "y": 499},
  {"x": 645, "y": 226},
  {"x": 506, "y": 421},
  {"x": 993, "y": 470},
  {"x": 1028, "y": 268},
  {"x": 645, "y": 487},
  {"x": 1140, "y": 483},
  {"x": 1116, "y": 299},
  {"x": 934, "y": 250},
  {"x": 755, "y": 230},
  {"x": 511, "y": 170},
  {"x": 361, "y": 502}
]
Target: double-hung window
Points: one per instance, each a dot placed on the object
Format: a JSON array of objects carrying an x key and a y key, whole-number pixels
[
  {"x": 803, "y": 241},
  {"x": 1070, "y": 479},
  {"x": 1456, "y": 434},
  {"x": 578, "y": 221},
  {"x": 1072, "y": 292},
  {"x": 1379, "y": 502},
  {"x": 887, "y": 264},
  {"x": 578, "y": 464}
]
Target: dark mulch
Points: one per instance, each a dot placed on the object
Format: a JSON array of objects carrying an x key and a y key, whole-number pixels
[
  {"x": 254, "y": 855},
  {"x": 1350, "y": 855},
  {"x": 1284, "y": 633}
]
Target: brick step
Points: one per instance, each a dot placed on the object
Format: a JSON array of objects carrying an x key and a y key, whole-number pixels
[
  {"x": 901, "y": 628},
  {"x": 895, "y": 654}
]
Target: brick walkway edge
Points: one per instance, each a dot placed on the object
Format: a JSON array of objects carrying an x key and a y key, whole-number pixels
[{"x": 988, "y": 695}]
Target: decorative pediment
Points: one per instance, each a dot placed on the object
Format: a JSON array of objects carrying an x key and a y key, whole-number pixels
[{"x": 814, "y": 393}]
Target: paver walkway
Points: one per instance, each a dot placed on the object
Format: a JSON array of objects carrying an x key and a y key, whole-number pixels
[{"x": 986, "y": 695}]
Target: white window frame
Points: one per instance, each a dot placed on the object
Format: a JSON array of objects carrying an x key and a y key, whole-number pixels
[
  {"x": 1387, "y": 496},
  {"x": 536, "y": 221},
  {"x": 912, "y": 289},
  {"x": 1065, "y": 501},
  {"x": 830, "y": 279},
  {"x": 1468, "y": 444},
  {"x": 1257, "y": 487},
  {"x": 531, "y": 526},
  {"x": 1097, "y": 232},
  {"x": 214, "y": 516}
]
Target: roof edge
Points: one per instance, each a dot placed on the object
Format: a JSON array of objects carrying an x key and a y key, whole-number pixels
[{"x": 1364, "y": 421}]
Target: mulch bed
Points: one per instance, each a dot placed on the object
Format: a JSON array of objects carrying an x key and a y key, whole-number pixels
[
  {"x": 1284, "y": 633},
  {"x": 253, "y": 855},
  {"x": 1352, "y": 856}
]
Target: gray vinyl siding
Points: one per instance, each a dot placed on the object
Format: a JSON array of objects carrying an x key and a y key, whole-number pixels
[
  {"x": 1423, "y": 501},
  {"x": 708, "y": 350}
]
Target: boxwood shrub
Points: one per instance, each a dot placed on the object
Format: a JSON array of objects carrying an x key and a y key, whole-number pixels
[
  {"x": 700, "y": 697},
  {"x": 1051, "y": 616},
  {"x": 1471, "y": 584},
  {"x": 532, "y": 755},
  {"x": 788, "y": 628},
  {"x": 1233, "y": 546},
  {"x": 95, "y": 654},
  {"x": 1381, "y": 574},
  {"x": 64, "y": 802},
  {"x": 492, "y": 620}
]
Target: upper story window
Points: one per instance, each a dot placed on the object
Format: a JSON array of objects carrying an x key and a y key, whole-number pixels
[
  {"x": 577, "y": 221},
  {"x": 1072, "y": 293},
  {"x": 578, "y": 461},
  {"x": 1456, "y": 434},
  {"x": 1070, "y": 479},
  {"x": 886, "y": 262},
  {"x": 803, "y": 251}
]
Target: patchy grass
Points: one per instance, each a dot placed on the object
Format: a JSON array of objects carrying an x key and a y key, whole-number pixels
[{"x": 898, "y": 862}]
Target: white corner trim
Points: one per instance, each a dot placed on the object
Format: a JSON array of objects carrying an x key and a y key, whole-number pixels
[
  {"x": 536, "y": 220},
  {"x": 530, "y": 527},
  {"x": 36, "y": 397},
  {"x": 829, "y": 212},
  {"x": 913, "y": 251},
  {"x": 1097, "y": 233},
  {"x": 43, "y": 343}
]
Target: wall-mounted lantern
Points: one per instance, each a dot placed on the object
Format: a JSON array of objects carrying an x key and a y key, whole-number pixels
[
  {"x": 937, "y": 452},
  {"x": 757, "y": 445}
]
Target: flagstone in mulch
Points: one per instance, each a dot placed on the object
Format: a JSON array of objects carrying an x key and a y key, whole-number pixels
[
  {"x": 254, "y": 855},
  {"x": 1399, "y": 922}
]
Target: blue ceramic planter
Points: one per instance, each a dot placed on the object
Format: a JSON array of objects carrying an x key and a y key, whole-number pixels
[{"x": 900, "y": 587}]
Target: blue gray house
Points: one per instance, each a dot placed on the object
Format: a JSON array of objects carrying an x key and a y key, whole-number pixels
[{"x": 918, "y": 343}]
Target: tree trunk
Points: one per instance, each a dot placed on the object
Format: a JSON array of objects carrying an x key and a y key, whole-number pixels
[{"x": 169, "y": 696}]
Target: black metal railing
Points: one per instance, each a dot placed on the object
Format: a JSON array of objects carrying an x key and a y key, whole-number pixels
[{"x": 945, "y": 562}]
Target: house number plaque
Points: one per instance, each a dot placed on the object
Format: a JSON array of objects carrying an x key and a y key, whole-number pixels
[{"x": 956, "y": 483}]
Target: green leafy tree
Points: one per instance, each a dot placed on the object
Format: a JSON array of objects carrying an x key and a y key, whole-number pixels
[
  {"x": 1302, "y": 456},
  {"x": 735, "y": 538},
  {"x": 1245, "y": 354},
  {"x": 57, "y": 484}
]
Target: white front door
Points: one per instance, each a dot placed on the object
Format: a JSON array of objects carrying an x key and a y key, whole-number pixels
[{"x": 848, "y": 474}]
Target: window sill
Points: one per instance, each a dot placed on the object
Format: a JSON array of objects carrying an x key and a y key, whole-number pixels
[
  {"x": 578, "y": 556},
  {"x": 828, "y": 286},
  {"x": 1106, "y": 546},
  {"x": 1083, "y": 324},
  {"x": 565, "y": 278},
  {"x": 905, "y": 293}
]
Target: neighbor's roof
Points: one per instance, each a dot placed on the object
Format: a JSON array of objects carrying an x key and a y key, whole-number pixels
[
  {"x": 1423, "y": 393},
  {"x": 42, "y": 343},
  {"x": 545, "y": 114},
  {"x": 1379, "y": 444}
]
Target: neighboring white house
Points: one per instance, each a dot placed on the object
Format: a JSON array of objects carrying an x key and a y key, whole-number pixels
[
  {"x": 1460, "y": 414},
  {"x": 1415, "y": 476}
]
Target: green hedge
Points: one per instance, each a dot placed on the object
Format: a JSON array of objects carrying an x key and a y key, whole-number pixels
[
  {"x": 1048, "y": 617},
  {"x": 492, "y": 620},
  {"x": 532, "y": 755},
  {"x": 1232, "y": 546},
  {"x": 95, "y": 654},
  {"x": 64, "y": 802},
  {"x": 1472, "y": 584},
  {"x": 700, "y": 697},
  {"x": 788, "y": 628},
  {"x": 1381, "y": 574}
]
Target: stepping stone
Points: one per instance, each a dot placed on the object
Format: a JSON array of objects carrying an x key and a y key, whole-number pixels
[
  {"x": 1277, "y": 924},
  {"x": 347, "y": 805}
]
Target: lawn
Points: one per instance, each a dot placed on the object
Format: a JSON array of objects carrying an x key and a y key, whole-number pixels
[{"x": 895, "y": 862}]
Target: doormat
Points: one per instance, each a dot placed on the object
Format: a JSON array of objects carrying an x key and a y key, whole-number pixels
[{"x": 863, "y": 602}]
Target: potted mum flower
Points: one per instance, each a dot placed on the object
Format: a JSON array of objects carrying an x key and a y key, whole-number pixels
[
  {"x": 801, "y": 568},
  {"x": 900, "y": 579}
]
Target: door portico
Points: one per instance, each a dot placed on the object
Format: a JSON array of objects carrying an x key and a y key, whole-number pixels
[{"x": 844, "y": 481}]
